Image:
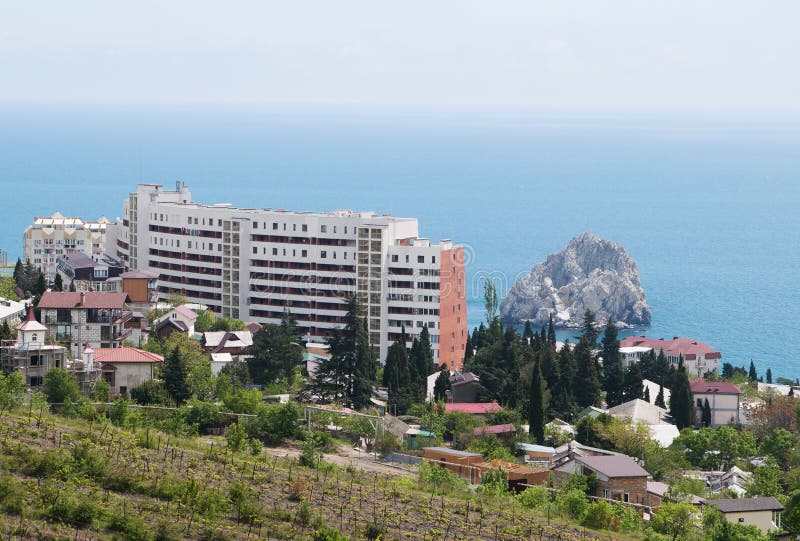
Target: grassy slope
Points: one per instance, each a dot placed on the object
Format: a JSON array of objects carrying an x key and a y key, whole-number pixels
[{"x": 64, "y": 478}]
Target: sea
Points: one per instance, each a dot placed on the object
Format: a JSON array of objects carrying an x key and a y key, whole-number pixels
[{"x": 706, "y": 202}]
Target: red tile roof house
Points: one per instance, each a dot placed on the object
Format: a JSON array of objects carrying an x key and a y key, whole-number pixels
[
  {"x": 723, "y": 397},
  {"x": 698, "y": 357},
  {"x": 126, "y": 368},
  {"x": 78, "y": 318},
  {"x": 619, "y": 477}
]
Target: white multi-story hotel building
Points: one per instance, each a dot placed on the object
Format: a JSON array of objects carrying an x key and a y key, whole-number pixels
[
  {"x": 252, "y": 264},
  {"x": 50, "y": 237}
]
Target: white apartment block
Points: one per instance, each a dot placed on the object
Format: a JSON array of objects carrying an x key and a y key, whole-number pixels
[
  {"x": 52, "y": 236},
  {"x": 252, "y": 264}
]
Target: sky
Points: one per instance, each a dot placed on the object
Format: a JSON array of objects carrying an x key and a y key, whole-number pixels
[{"x": 607, "y": 54}]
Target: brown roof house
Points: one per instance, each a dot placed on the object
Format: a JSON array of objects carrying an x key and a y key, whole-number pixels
[
  {"x": 464, "y": 387},
  {"x": 763, "y": 513},
  {"x": 619, "y": 477},
  {"x": 77, "y": 318},
  {"x": 723, "y": 398}
]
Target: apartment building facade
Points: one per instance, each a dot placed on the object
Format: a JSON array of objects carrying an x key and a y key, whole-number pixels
[
  {"x": 50, "y": 237},
  {"x": 253, "y": 264}
]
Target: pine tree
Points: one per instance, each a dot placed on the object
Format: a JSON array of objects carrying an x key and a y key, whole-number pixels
[
  {"x": 633, "y": 383},
  {"x": 706, "y": 419},
  {"x": 536, "y": 404},
  {"x": 589, "y": 327},
  {"x": 397, "y": 375},
  {"x": 551, "y": 331},
  {"x": 350, "y": 374},
  {"x": 562, "y": 401},
  {"x": 752, "y": 374},
  {"x": 681, "y": 404},
  {"x": 72, "y": 286},
  {"x": 58, "y": 283},
  {"x": 646, "y": 394},
  {"x": 469, "y": 349},
  {"x": 548, "y": 364},
  {"x": 175, "y": 372},
  {"x": 18, "y": 272},
  {"x": 612, "y": 366},
  {"x": 275, "y": 354},
  {"x": 660, "y": 398},
  {"x": 769, "y": 375}
]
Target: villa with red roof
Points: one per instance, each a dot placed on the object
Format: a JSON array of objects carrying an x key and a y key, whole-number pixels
[
  {"x": 125, "y": 368},
  {"x": 698, "y": 357},
  {"x": 722, "y": 396}
]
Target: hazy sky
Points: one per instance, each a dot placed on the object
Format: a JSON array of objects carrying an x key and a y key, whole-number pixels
[{"x": 555, "y": 53}]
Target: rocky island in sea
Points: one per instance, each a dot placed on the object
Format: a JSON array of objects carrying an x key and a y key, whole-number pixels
[{"x": 589, "y": 273}]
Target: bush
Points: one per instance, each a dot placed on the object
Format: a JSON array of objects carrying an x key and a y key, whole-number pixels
[
  {"x": 600, "y": 516},
  {"x": 236, "y": 436},
  {"x": 326, "y": 533},
  {"x": 274, "y": 423},
  {"x": 152, "y": 393},
  {"x": 60, "y": 386},
  {"x": 572, "y": 503},
  {"x": 534, "y": 497},
  {"x": 130, "y": 525}
]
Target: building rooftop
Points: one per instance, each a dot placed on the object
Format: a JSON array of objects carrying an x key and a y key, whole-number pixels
[
  {"x": 700, "y": 386},
  {"x": 475, "y": 408},
  {"x": 613, "y": 466},
  {"x": 744, "y": 505},
  {"x": 82, "y": 299},
  {"x": 125, "y": 355},
  {"x": 10, "y": 308},
  {"x": 30, "y": 323},
  {"x": 688, "y": 347},
  {"x": 231, "y": 339},
  {"x": 506, "y": 428},
  {"x": 461, "y": 378},
  {"x": 451, "y": 451},
  {"x": 139, "y": 274},
  {"x": 186, "y": 312}
]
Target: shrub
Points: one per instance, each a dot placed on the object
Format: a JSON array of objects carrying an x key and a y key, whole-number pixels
[
  {"x": 60, "y": 386},
  {"x": 236, "y": 436},
  {"x": 130, "y": 525},
  {"x": 275, "y": 422},
  {"x": 534, "y": 497},
  {"x": 118, "y": 412},
  {"x": 375, "y": 530},
  {"x": 326, "y": 533},
  {"x": 572, "y": 503},
  {"x": 150, "y": 393},
  {"x": 298, "y": 489},
  {"x": 11, "y": 495},
  {"x": 304, "y": 513},
  {"x": 311, "y": 456},
  {"x": 600, "y": 516}
]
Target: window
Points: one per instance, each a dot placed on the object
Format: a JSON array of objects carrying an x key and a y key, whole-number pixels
[
  {"x": 255, "y": 225},
  {"x": 294, "y": 227},
  {"x": 395, "y": 257},
  {"x": 34, "y": 337},
  {"x": 274, "y": 251},
  {"x": 304, "y": 253},
  {"x": 323, "y": 229},
  {"x": 420, "y": 259},
  {"x": 323, "y": 254},
  {"x": 255, "y": 251},
  {"x": 219, "y": 223},
  {"x": 305, "y": 227},
  {"x": 606, "y": 494},
  {"x": 626, "y": 497},
  {"x": 274, "y": 225},
  {"x": 433, "y": 259}
]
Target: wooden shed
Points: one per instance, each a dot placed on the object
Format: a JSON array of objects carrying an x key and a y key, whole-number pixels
[{"x": 518, "y": 474}]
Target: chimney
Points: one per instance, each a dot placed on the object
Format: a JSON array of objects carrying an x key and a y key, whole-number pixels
[
  {"x": 83, "y": 298},
  {"x": 674, "y": 337}
]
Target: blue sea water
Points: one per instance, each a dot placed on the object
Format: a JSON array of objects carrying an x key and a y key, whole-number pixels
[{"x": 707, "y": 204}]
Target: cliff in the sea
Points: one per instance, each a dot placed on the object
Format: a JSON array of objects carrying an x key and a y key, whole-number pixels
[{"x": 588, "y": 273}]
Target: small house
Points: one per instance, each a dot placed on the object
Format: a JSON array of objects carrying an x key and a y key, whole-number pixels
[
  {"x": 537, "y": 455},
  {"x": 461, "y": 463},
  {"x": 464, "y": 387},
  {"x": 126, "y": 368},
  {"x": 619, "y": 477},
  {"x": 763, "y": 513},
  {"x": 723, "y": 399}
]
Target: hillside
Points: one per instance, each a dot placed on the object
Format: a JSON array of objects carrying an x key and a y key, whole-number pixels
[{"x": 63, "y": 478}]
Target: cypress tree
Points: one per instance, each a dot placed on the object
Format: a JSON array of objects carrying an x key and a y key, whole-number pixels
[
  {"x": 612, "y": 367},
  {"x": 633, "y": 383},
  {"x": 706, "y": 419},
  {"x": 752, "y": 374},
  {"x": 468, "y": 349},
  {"x": 397, "y": 377},
  {"x": 548, "y": 364},
  {"x": 769, "y": 375},
  {"x": 681, "y": 404},
  {"x": 587, "y": 383},
  {"x": 660, "y": 398},
  {"x": 527, "y": 334},
  {"x": 174, "y": 372},
  {"x": 442, "y": 385},
  {"x": 18, "y": 272},
  {"x": 536, "y": 404},
  {"x": 551, "y": 331},
  {"x": 562, "y": 402},
  {"x": 646, "y": 394},
  {"x": 589, "y": 329},
  {"x": 58, "y": 283}
]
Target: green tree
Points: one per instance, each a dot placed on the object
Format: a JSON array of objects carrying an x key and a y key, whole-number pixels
[
  {"x": 551, "y": 331},
  {"x": 681, "y": 404},
  {"x": 350, "y": 374},
  {"x": 490, "y": 302},
  {"x": 587, "y": 383},
  {"x": 397, "y": 375},
  {"x": 60, "y": 386},
  {"x": 536, "y": 404},
  {"x": 562, "y": 403},
  {"x": 752, "y": 375},
  {"x": 767, "y": 480},
  {"x": 11, "y": 388},
  {"x": 769, "y": 375},
  {"x": 442, "y": 385},
  {"x": 205, "y": 320},
  {"x": 706, "y": 420},
  {"x": 634, "y": 384},
  {"x": 781, "y": 445},
  {"x": 674, "y": 519},
  {"x": 660, "y": 398},
  {"x": 58, "y": 283},
  {"x": 614, "y": 383},
  {"x": 791, "y": 515},
  {"x": 152, "y": 392},
  {"x": 175, "y": 374},
  {"x": 275, "y": 353}
]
